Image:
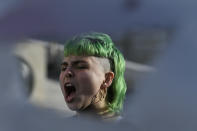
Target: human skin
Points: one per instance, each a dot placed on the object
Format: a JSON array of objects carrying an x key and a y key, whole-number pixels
[{"x": 88, "y": 76}]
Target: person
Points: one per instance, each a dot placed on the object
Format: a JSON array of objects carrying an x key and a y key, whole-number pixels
[{"x": 92, "y": 76}]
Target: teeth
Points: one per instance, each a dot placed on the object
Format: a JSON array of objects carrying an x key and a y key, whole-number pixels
[{"x": 69, "y": 84}]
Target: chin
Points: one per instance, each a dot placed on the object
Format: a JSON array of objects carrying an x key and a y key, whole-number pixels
[{"x": 73, "y": 107}]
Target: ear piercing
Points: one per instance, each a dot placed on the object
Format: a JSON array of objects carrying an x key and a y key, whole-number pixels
[{"x": 104, "y": 85}]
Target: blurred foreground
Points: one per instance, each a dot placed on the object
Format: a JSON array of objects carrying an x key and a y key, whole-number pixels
[{"x": 163, "y": 100}]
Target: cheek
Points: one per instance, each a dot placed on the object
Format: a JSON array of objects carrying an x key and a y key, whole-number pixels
[
  {"x": 61, "y": 77},
  {"x": 89, "y": 83},
  {"x": 61, "y": 80}
]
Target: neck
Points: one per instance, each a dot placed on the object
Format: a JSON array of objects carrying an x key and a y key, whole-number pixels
[{"x": 97, "y": 110}]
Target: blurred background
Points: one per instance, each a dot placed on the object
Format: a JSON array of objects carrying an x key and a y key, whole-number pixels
[
  {"x": 145, "y": 31},
  {"x": 40, "y": 29}
]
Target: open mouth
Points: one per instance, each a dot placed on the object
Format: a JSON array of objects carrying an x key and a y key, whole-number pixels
[{"x": 69, "y": 91}]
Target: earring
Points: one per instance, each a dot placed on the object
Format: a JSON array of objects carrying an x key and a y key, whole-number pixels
[
  {"x": 104, "y": 85},
  {"x": 102, "y": 94},
  {"x": 94, "y": 99}
]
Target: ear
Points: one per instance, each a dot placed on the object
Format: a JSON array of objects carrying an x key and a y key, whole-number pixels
[{"x": 109, "y": 76}]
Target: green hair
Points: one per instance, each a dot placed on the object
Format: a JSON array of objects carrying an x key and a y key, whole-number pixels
[{"x": 101, "y": 45}]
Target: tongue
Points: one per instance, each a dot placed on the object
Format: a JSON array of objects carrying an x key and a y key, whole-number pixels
[{"x": 70, "y": 96}]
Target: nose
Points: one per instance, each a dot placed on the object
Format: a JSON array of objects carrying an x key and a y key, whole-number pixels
[{"x": 69, "y": 73}]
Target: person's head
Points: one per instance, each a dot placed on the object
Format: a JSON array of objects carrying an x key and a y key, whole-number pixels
[{"x": 92, "y": 73}]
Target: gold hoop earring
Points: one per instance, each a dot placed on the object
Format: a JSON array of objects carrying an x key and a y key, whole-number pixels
[
  {"x": 95, "y": 98},
  {"x": 98, "y": 97}
]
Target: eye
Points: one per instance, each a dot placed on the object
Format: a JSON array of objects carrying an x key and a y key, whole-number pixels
[
  {"x": 81, "y": 66},
  {"x": 63, "y": 68}
]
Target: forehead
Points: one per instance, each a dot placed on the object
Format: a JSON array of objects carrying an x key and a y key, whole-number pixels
[{"x": 87, "y": 59}]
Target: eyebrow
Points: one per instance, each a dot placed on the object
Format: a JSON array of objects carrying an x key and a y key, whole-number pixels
[
  {"x": 64, "y": 63},
  {"x": 75, "y": 62}
]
